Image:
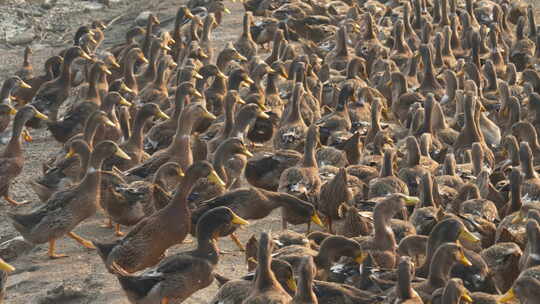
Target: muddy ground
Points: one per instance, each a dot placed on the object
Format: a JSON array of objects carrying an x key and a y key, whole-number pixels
[{"x": 82, "y": 278}]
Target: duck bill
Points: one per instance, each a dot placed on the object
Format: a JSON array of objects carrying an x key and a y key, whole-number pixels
[
  {"x": 12, "y": 111},
  {"x": 247, "y": 153},
  {"x": 107, "y": 71},
  {"x": 214, "y": 178},
  {"x": 6, "y": 267},
  {"x": 25, "y": 85},
  {"x": 249, "y": 81},
  {"x": 466, "y": 298},
  {"x": 120, "y": 153},
  {"x": 411, "y": 200},
  {"x": 109, "y": 123},
  {"x": 160, "y": 114},
  {"x": 197, "y": 75},
  {"x": 143, "y": 59},
  {"x": 361, "y": 258},
  {"x": 220, "y": 74},
  {"x": 468, "y": 236},
  {"x": 241, "y": 57},
  {"x": 317, "y": 220},
  {"x": 227, "y": 11},
  {"x": 463, "y": 260},
  {"x": 209, "y": 115},
  {"x": 291, "y": 283},
  {"x": 166, "y": 48},
  {"x": 70, "y": 153},
  {"x": 180, "y": 172},
  {"x": 86, "y": 56},
  {"x": 40, "y": 115},
  {"x": 114, "y": 64},
  {"x": 124, "y": 87},
  {"x": 124, "y": 102},
  {"x": 197, "y": 94},
  {"x": 238, "y": 220},
  {"x": 508, "y": 296},
  {"x": 263, "y": 115}
]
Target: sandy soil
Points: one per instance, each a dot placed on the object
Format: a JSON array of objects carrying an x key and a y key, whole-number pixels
[{"x": 82, "y": 278}]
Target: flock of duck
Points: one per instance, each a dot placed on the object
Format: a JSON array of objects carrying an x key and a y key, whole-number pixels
[{"x": 406, "y": 130}]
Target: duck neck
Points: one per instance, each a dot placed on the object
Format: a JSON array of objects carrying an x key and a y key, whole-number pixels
[
  {"x": 161, "y": 79},
  {"x": 246, "y": 26},
  {"x": 90, "y": 131},
  {"x": 439, "y": 269},
  {"x": 294, "y": 114},
  {"x": 417, "y": 15},
  {"x": 206, "y": 247},
  {"x": 181, "y": 100},
  {"x": 92, "y": 177},
  {"x": 265, "y": 276},
  {"x": 271, "y": 87},
  {"x": 137, "y": 133},
  {"x": 26, "y": 62},
  {"x": 14, "y": 147},
  {"x": 219, "y": 84},
  {"x": 65, "y": 74},
  {"x": 151, "y": 70},
  {"x": 129, "y": 76},
  {"x": 207, "y": 29},
  {"x": 148, "y": 36},
  {"x": 527, "y": 168},
  {"x": 93, "y": 91},
  {"x": 427, "y": 192},
  {"x": 275, "y": 50},
  {"x": 387, "y": 168},
  {"x": 242, "y": 124},
  {"x": 304, "y": 293},
  {"x": 407, "y": 27},
  {"x": 445, "y": 20},
  {"x": 341, "y": 47},
  {"x": 229, "y": 118},
  {"x": 438, "y": 53},
  {"x": 429, "y": 76},
  {"x": 384, "y": 238},
  {"x": 404, "y": 288},
  {"x": 451, "y": 294},
  {"x": 399, "y": 41},
  {"x": 413, "y": 158},
  {"x": 309, "y": 160},
  {"x": 178, "y": 204},
  {"x": 447, "y": 46},
  {"x": 5, "y": 93},
  {"x": 515, "y": 197}
]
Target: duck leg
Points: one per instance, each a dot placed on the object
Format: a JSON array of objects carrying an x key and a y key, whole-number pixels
[
  {"x": 165, "y": 301},
  {"x": 237, "y": 242},
  {"x": 219, "y": 251},
  {"x": 82, "y": 241},
  {"x": 52, "y": 249},
  {"x": 26, "y": 135},
  {"x": 13, "y": 202},
  {"x": 117, "y": 230}
]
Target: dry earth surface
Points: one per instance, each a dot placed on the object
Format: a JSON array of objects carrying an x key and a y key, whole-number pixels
[{"x": 82, "y": 278}]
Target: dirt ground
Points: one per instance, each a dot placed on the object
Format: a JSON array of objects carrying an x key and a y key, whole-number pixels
[{"x": 82, "y": 277}]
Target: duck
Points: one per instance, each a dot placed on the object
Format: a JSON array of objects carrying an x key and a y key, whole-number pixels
[
  {"x": 234, "y": 291},
  {"x": 304, "y": 293},
  {"x": 333, "y": 194},
  {"x": 134, "y": 145},
  {"x": 253, "y": 204},
  {"x": 339, "y": 120},
  {"x": 331, "y": 249},
  {"x": 264, "y": 168},
  {"x": 52, "y": 94},
  {"x": 161, "y": 134},
  {"x": 405, "y": 294},
  {"x": 178, "y": 276},
  {"x": 51, "y": 71},
  {"x": 150, "y": 243},
  {"x": 66, "y": 209},
  {"x": 12, "y": 158},
  {"x": 292, "y": 129},
  {"x": 266, "y": 288},
  {"x": 387, "y": 182},
  {"x": 26, "y": 72},
  {"x": 5, "y": 269},
  {"x": 187, "y": 119},
  {"x": 530, "y": 186},
  {"x": 6, "y": 112},
  {"x": 245, "y": 44},
  {"x": 382, "y": 246},
  {"x": 303, "y": 180}
]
